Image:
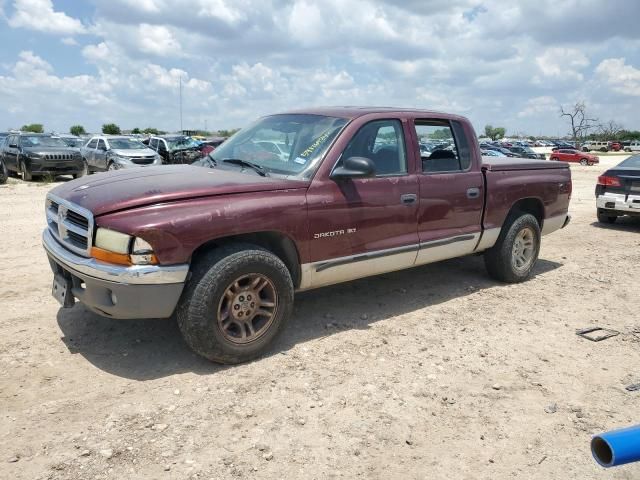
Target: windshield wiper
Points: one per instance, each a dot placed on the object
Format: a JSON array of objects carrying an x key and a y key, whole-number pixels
[{"x": 237, "y": 161}]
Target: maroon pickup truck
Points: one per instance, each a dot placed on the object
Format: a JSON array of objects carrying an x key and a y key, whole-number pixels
[{"x": 294, "y": 201}]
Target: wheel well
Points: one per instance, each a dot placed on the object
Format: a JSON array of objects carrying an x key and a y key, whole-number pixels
[
  {"x": 529, "y": 205},
  {"x": 278, "y": 244}
]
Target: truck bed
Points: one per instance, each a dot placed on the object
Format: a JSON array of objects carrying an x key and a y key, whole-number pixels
[{"x": 499, "y": 164}]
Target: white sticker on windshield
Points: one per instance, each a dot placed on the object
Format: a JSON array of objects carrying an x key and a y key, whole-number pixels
[{"x": 300, "y": 160}]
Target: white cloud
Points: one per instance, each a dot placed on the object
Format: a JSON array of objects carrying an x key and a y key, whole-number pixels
[
  {"x": 621, "y": 77},
  {"x": 70, "y": 41},
  {"x": 539, "y": 105},
  {"x": 39, "y": 15},
  {"x": 158, "y": 40},
  {"x": 563, "y": 63}
]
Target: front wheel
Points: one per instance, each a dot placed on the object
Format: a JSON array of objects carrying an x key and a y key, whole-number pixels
[
  {"x": 515, "y": 253},
  {"x": 4, "y": 173},
  {"x": 26, "y": 173},
  {"x": 84, "y": 171},
  {"x": 238, "y": 299},
  {"x": 583, "y": 161}
]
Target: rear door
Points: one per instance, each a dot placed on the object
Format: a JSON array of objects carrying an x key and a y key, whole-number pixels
[
  {"x": 90, "y": 151},
  {"x": 365, "y": 226},
  {"x": 451, "y": 192}
]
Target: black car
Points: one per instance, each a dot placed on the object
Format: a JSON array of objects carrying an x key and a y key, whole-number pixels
[
  {"x": 4, "y": 174},
  {"x": 505, "y": 151},
  {"x": 526, "y": 152},
  {"x": 176, "y": 149},
  {"x": 36, "y": 154},
  {"x": 618, "y": 191}
]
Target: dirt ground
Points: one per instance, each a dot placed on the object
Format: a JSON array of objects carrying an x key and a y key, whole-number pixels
[{"x": 437, "y": 372}]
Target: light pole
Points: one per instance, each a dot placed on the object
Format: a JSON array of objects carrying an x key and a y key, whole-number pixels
[{"x": 180, "y": 103}]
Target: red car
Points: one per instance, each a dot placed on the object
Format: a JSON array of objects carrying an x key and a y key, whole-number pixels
[
  {"x": 616, "y": 146},
  {"x": 566, "y": 155}
]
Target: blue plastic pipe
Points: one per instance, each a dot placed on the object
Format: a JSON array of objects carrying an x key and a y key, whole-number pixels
[{"x": 617, "y": 447}]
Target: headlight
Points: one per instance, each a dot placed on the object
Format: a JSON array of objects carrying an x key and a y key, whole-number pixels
[
  {"x": 115, "y": 247},
  {"x": 113, "y": 241},
  {"x": 34, "y": 155}
]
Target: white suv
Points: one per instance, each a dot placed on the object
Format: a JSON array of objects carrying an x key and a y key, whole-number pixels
[
  {"x": 593, "y": 145},
  {"x": 633, "y": 147}
]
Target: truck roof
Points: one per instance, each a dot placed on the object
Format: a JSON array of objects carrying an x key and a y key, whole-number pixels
[{"x": 351, "y": 112}]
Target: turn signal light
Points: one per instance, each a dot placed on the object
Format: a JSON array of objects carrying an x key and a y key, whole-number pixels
[
  {"x": 110, "y": 257},
  {"x": 609, "y": 181}
]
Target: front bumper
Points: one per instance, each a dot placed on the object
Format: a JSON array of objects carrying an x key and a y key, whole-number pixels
[
  {"x": 620, "y": 203},
  {"x": 43, "y": 167},
  {"x": 118, "y": 291}
]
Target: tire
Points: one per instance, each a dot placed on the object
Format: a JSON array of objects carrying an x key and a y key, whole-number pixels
[
  {"x": 584, "y": 161},
  {"x": 603, "y": 149},
  {"x": 26, "y": 174},
  {"x": 111, "y": 167},
  {"x": 603, "y": 217},
  {"x": 84, "y": 171},
  {"x": 501, "y": 260},
  {"x": 4, "y": 173},
  {"x": 210, "y": 297},
  {"x": 554, "y": 159},
  {"x": 627, "y": 150}
]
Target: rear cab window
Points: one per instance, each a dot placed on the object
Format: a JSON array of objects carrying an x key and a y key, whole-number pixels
[{"x": 443, "y": 146}]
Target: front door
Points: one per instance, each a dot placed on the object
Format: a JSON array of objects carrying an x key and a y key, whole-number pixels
[
  {"x": 11, "y": 153},
  {"x": 451, "y": 192},
  {"x": 365, "y": 226},
  {"x": 100, "y": 155}
]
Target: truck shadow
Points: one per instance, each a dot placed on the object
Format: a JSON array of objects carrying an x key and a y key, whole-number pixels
[
  {"x": 151, "y": 349},
  {"x": 626, "y": 224}
]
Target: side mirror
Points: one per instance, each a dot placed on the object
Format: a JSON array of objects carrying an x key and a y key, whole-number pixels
[
  {"x": 103, "y": 148},
  {"x": 354, "y": 167}
]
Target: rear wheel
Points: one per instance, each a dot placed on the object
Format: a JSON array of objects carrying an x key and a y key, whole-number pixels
[
  {"x": 238, "y": 299},
  {"x": 515, "y": 253},
  {"x": 584, "y": 161},
  {"x": 25, "y": 172},
  {"x": 605, "y": 217}
]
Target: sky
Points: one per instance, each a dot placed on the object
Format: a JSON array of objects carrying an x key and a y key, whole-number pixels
[{"x": 510, "y": 64}]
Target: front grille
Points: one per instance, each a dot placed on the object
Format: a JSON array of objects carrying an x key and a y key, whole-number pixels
[
  {"x": 143, "y": 160},
  {"x": 70, "y": 224},
  {"x": 58, "y": 156}
]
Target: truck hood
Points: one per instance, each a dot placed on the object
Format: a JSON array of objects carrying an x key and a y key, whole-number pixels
[{"x": 113, "y": 191}]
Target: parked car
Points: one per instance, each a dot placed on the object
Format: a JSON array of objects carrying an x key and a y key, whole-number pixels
[
  {"x": 226, "y": 248},
  {"x": 36, "y": 154},
  {"x": 632, "y": 147},
  {"x": 526, "y": 152},
  {"x": 4, "y": 173},
  {"x": 505, "y": 151},
  {"x": 615, "y": 146},
  {"x": 176, "y": 149},
  {"x": 106, "y": 152},
  {"x": 596, "y": 145},
  {"x": 492, "y": 153},
  {"x": 574, "y": 156},
  {"x": 208, "y": 145},
  {"x": 618, "y": 191}
]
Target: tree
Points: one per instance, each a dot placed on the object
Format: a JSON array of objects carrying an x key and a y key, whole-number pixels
[
  {"x": 494, "y": 133},
  {"x": 77, "y": 130},
  {"x": 151, "y": 131},
  {"x": 580, "y": 122},
  {"x": 33, "y": 128},
  {"x": 111, "y": 129},
  {"x": 227, "y": 133},
  {"x": 136, "y": 131},
  {"x": 610, "y": 130}
]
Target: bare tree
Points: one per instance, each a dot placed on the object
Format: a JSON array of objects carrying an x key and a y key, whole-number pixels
[
  {"x": 580, "y": 122},
  {"x": 610, "y": 130}
]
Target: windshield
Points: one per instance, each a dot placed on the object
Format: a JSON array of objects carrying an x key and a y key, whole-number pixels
[
  {"x": 180, "y": 143},
  {"x": 290, "y": 144},
  {"x": 126, "y": 144},
  {"x": 42, "y": 141},
  {"x": 73, "y": 142}
]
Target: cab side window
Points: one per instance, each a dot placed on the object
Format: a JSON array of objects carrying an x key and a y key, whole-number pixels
[
  {"x": 443, "y": 146},
  {"x": 101, "y": 145},
  {"x": 381, "y": 141},
  {"x": 153, "y": 143},
  {"x": 92, "y": 144}
]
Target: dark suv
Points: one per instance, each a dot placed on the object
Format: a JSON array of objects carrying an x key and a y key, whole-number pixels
[{"x": 35, "y": 154}]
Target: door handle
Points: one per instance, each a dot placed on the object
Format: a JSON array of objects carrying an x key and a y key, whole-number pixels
[
  {"x": 473, "y": 192},
  {"x": 408, "y": 198}
]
